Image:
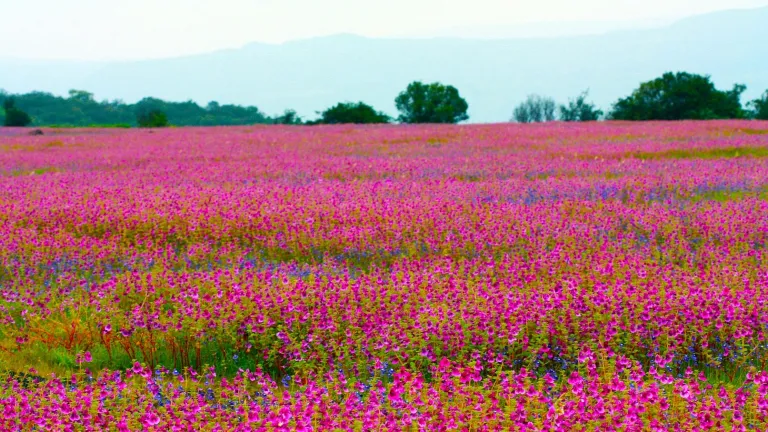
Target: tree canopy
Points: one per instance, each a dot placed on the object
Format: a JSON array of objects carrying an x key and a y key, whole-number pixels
[
  {"x": 14, "y": 117},
  {"x": 535, "y": 109},
  {"x": 431, "y": 103},
  {"x": 672, "y": 96},
  {"x": 352, "y": 113},
  {"x": 680, "y": 96},
  {"x": 579, "y": 110},
  {"x": 760, "y": 107},
  {"x": 152, "y": 119},
  {"x": 80, "y": 108},
  {"x": 289, "y": 117}
]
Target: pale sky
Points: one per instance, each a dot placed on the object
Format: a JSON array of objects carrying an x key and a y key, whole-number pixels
[{"x": 139, "y": 29}]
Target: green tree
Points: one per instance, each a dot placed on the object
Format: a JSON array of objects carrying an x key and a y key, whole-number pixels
[
  {"x": 680, "y": 96},
  {"x": 352, "y": 113},
  {"x": 760, "y": 107},
  {"x": 535, "y": 109},
  {"x": 81, "y": 96},
  {"x": 152, "y": 119},
  {"x": 431, "y": 103},
  {"x": 80, "y": 109},
  {"x": 14, "y": 117},
  {"x": 579, "y": 110},
  {"x": 3, "y": 97},
  {"x": 289, "y": 117},
  {"x": 151, "y": 113}
]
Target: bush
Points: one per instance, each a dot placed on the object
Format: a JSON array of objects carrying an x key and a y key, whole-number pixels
[
  {"x": 352, "y": 113},
  {"x": 760, "y": 107},
  {"x": 15, "y": 117},
  {"x": 579, "y": 110},
  {"x": 289, "y": 117},
  {"x": 152, "y": 119}
]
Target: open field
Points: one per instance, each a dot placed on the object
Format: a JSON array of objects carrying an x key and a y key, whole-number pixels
[{"x": 594, "y": 277}]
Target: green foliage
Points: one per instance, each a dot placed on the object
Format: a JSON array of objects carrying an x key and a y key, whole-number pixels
[
  {"x": 80, "y": 109},
  {"x": 579, "y": 110},
  {"x": 81, "y": 96},
  {"x": 680, "y": 96},
  {"x": 93, "y": 126},
  {"x": 14, "y": 117},
  {"x": 431, "y": 103},
  {"x": 150, "y": 113},
  {"x": 535, "y": 109},
  {"x": 289, "y": 117},
  {"x": 760, "y": 107},
  {"x": 3, "y": 97},
  {"x": 152, "y": 119},
  {"x": 352, "y": 113}
]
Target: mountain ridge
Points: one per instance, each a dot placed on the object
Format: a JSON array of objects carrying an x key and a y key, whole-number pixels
[{"x": 493, "y": 74}]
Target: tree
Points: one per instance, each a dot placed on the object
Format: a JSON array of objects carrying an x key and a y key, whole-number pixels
[
  {"x": 3, "y": 97},
  {"x": 352, "y": 113},
  {"x": 680, "y": 96},
  {"x": 760, "y": 107},
  {"x": 535, "y": 109},
  {"x": 81, "y": 96},
  {"x": 579, "y": 110},
  {"x": 431, "y": 103},
  {"x": 289, "y": 117},
  {"x": 80, "y": 109},
  {"x": 152, "y": 119},
  {"x": 14, "y": 117},
  {"x": 151, "y": 113}
]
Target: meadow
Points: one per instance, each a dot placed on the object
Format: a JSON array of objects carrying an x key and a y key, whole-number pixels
[{"x": 556, "y": 277}]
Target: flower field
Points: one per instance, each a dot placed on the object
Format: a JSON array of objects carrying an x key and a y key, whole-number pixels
[{"x": 560, "y": 277}]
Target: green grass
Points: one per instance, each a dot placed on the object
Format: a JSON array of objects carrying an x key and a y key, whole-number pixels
[
  {"x": 713, "y": 153},
  {"x": 725, "y": 196},
  {"x": 37, "y": 171},
  {"x": 92, "y": 126},
  {"x": 754, "y": 131}
]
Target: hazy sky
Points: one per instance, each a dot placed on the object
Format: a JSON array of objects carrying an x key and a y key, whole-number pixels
[{"x": 133, "y": 29}]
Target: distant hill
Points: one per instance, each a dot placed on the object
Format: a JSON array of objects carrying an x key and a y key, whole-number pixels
[{"x": 493, "y": 75}]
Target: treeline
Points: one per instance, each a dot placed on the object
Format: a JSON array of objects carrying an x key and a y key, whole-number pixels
[
  {"x": 80, "y": 109},
  {"x": 673, "y": 96},
  {"x": 418, "y": 103}
]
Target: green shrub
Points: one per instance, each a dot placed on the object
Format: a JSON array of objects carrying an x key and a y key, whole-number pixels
[
  {"x": 579, "y": 110},
  {"x": 760, "y": 107},
  {"x": 15, "y": 117},
  {"x": 352, "y": 113},
  {"x": 152, "y": 119}
]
